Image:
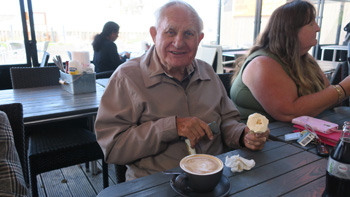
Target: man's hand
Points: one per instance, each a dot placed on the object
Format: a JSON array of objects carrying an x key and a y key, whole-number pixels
[
  {"x": 255, "y": 141},
  {"x": 193, "y": 128}
]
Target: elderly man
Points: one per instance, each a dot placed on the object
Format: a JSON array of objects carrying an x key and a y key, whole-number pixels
[{"x": 154, "y": 100}]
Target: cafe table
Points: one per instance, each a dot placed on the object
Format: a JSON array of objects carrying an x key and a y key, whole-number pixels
[
  {"x": 52, "y": 103},
  {"x": 281, "y": 169}
]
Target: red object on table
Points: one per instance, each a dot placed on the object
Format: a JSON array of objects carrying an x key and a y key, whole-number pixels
[{"x": 329, "y": 139}]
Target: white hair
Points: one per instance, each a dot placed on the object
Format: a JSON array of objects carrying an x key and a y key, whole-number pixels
[{"x": 160, "y": 13}]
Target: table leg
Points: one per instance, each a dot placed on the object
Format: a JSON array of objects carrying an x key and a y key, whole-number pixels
[{"x": 95, "y": 170}]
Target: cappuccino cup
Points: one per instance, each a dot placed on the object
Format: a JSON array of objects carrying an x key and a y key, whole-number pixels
[{"x": 202, "y": 172}]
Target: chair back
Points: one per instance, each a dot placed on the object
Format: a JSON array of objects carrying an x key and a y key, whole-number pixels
[
  {"x": 340, "y": 73},
  {"x": 212, "y": 54},
  {"x": 30, "y": 77},
  {"x": 104, "y": 74},
  {"x": 14, "y": 112},
  {"x": 45, "y": 60},
  {"x": 226, "y": 80}
]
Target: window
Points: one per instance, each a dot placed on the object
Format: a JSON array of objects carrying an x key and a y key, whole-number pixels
[
  {"x": 70, "y": 25},
  {"x": 237, "y": 24},
  {"x": 335, "y": 17},
  {"x": 12, "y": 50},
  {"x": 61, "y": 28}
]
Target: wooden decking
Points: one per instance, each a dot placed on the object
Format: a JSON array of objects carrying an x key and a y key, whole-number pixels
[{"x": 73, "y": 181}]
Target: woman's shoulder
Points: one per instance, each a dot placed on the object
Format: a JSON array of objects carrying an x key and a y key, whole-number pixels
[
  {"x": 264, "y": 60},
  {"x": 265, "y": 56}
]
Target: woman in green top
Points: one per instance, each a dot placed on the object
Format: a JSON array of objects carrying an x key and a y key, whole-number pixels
[{"x": 278, "y": 77}]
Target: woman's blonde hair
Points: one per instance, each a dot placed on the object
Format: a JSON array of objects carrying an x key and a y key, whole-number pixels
[{"x": 281, "y": 38}]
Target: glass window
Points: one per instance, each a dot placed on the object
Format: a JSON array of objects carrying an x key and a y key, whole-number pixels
[
  {"x": 335, "y": 17},
  {"x": 268, "y": 7},
  {"x": 237, "y": 23},
  {"x": 12, "y": 50},
  {"x": 61, "y": 28}
]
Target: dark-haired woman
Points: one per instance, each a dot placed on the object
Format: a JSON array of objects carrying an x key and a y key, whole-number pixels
[{"x": 106, "y": 56}]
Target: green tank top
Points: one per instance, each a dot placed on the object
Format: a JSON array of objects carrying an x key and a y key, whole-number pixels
[{"x": 241, "y": 95}]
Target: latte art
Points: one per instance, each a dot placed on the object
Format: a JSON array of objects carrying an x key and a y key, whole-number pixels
[{"x": 201, "y": 164}]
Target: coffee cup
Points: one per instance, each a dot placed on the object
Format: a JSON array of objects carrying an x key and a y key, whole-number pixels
[{"x": 201, "y": 173}]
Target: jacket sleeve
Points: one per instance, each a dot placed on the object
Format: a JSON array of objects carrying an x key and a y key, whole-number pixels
[
  {"x": 231, "y": 126},
  {"x": 123, "y": 137}
]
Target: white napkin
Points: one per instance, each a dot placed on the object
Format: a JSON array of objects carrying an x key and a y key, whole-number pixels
[{"x": 238, "y": 164}]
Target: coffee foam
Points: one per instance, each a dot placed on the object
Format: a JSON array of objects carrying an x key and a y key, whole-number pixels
[{"x": 201, "y": 164}]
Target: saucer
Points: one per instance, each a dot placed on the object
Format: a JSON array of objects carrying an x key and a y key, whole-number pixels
[{"x": 222, "y": 189}]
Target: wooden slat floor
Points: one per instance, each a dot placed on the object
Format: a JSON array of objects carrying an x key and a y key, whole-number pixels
[{"x": 73, "y": 181}]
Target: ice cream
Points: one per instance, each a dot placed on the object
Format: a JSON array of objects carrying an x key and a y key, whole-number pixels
[{"x": 257, "y": 123}]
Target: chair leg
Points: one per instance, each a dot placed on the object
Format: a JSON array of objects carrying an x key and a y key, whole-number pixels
[
  {"x": 105, "y": 174},
  {"x": 34, "y": 185},
  {"x": 87, "y": 166}
]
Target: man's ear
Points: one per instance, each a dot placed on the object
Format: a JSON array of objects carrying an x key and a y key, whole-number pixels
[
  {"x": 153, "y": 32},
  {"x": 201, "y": 37}
]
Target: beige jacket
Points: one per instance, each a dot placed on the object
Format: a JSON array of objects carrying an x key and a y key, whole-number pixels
[{"x": 136, "y": 123}]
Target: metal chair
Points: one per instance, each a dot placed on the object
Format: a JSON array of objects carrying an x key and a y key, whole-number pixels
[{"x": 56, "y": 145}]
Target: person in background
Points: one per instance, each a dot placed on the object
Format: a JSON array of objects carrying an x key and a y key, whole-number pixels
[
  {"x": 152, "y": 101},
  {"x": 106, "y": 56},
  {"x": 278, "y": 77}
]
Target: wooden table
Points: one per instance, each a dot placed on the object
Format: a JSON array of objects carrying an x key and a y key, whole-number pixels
[
  {"x": 281, "y": 169},
  {"x": 52, "y": 103},
  {"x": 327, "y": 66}
]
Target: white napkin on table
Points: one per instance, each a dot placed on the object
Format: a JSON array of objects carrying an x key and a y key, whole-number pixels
[{"x": 238, "y": 164}]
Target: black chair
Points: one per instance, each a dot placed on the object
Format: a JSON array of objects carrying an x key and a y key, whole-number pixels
[
  {"x": 14, "y": 114},
  {"x": 104, "y": 74},
  {"x": 30, "y": 77},
  {"x": 61, "y": 144},
  {"x": 340, "y": 73},
  {"x": 226, "y": 80},
  {"x": 120, "y": 171}
]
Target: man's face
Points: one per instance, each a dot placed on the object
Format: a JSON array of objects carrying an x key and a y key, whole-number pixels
[{"x": 177, "y": 38}]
